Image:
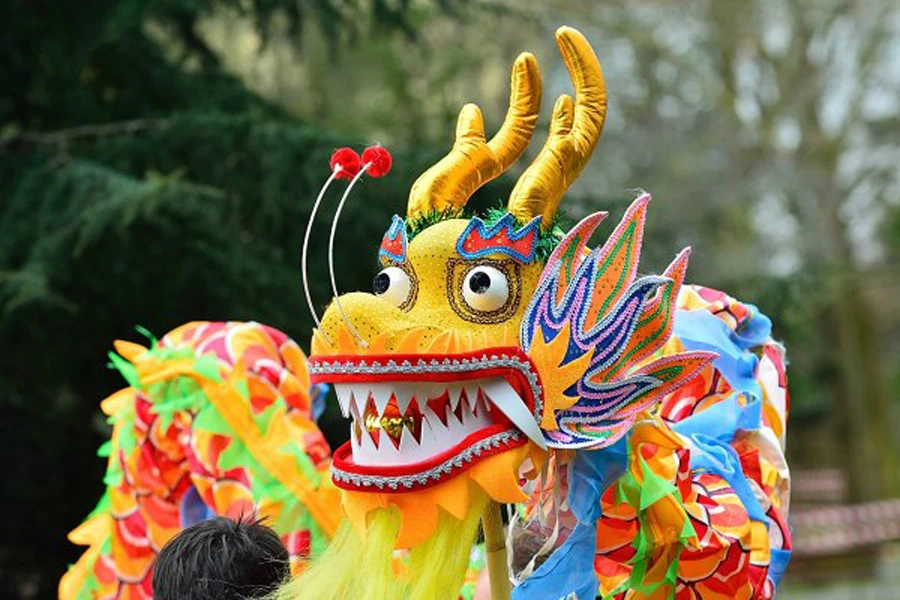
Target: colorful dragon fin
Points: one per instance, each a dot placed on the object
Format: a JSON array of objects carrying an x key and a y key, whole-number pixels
[{"x": 592, "y": 316}]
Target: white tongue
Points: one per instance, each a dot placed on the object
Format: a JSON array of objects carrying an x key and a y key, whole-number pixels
[{"x": 505, "y": 398}]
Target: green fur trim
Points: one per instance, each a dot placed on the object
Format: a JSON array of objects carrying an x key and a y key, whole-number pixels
[{"x": 421, "y": 222}]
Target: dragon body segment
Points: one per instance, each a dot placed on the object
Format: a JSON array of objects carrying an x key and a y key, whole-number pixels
[{"x": 217, "y": 420}]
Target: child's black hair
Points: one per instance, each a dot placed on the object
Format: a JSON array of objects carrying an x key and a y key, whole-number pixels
[{"x": 221, "y": 559}]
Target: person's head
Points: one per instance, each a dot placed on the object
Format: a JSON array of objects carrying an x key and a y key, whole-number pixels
[{"x": 221, "y": 559}]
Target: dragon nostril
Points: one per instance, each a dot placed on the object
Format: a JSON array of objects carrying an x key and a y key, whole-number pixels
[
  {"x": 381, "y": 283},
  {"x": 479, "y": 282}
]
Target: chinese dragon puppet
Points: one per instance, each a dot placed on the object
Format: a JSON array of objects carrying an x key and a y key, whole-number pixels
[{"x": 633, "y": 424}]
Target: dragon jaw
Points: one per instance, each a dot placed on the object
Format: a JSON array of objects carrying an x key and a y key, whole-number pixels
[{"x": 419, "y": 418}]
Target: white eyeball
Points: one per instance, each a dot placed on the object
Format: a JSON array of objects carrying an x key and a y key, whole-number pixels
[
  {"x": 393, "y": 285},
  {"x": 485, "y": 289}
]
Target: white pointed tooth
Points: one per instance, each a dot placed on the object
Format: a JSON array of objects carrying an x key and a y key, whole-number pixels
[
  {"x": 457, "y": 429},
  {"x": 381, "y": 392},
  {"x": 354, "y": 411},
  {"x": 387, "y": 452},
  {"x": 482, "y": 411},
  {"x": 439, "y": 389},
  {"x": 343, "y": 393},
  {"x": 360, "y": 396},
  {"x": 430, "y": 418},
  {"x": 408, "y": 442},
  {"x": 354, "y": 443},
  {"x": 434, "y": 437},
  {"x": 475, "y": 404},
  {"x": 454, "y": 391},
  {"x": 472, "y": 423},
  {"x": 404, "y": 392},
  {"x": 465, "y": 420},
  {"x": 485, "y": 412},
  {"x": 471, "y": 391},
  {"x": 449, "y": 416},
  {"x": 367, "y": 448},
  {"x": 464, "y": 410},
  {"x": 422, "y": 392},
  {"x": 505, "y": 398}
]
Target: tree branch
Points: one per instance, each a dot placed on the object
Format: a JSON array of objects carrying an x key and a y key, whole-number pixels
[{"x": 61, "y": 137}]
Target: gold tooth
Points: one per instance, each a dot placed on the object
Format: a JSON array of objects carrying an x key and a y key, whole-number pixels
[{"x": 393, "y": 426}]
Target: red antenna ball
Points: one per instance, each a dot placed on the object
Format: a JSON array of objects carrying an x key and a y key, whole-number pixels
[
  {"x": 349, "y": 162},
  {"x": 380, "y": 159}
]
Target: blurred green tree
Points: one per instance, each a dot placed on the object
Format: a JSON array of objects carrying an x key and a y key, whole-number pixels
[{"x": 140, "y": 183}]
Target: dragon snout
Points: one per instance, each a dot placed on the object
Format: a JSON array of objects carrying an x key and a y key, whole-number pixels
[{"x": 364, "y": 316}]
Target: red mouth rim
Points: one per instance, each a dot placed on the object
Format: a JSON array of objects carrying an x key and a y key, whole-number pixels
[
  {"x": 511, "y": 363},
  {"x": 402, "y": 478}
]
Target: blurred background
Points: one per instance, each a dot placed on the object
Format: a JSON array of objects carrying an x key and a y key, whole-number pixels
[{"x": 158, "y": 161}]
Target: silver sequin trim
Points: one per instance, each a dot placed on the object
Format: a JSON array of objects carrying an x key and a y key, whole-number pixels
[{"x": 433, "y": 474}]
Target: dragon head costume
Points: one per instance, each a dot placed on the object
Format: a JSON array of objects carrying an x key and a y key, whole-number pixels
[
  {"x": 477, "y": 349},
  {"x": 495, "y": 350}
]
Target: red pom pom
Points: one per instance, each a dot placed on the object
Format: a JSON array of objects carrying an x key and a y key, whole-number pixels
[
  {"x": 349, "y": 162},
  {"x": 380, "y": 159}
]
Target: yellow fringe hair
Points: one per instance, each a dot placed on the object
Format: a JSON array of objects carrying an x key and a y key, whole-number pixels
[{"x": 364, "y": 568}]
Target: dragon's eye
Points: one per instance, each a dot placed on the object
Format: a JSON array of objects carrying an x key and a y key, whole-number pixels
[
  {"x": 485, "y": 288},
  {"x": 393, "y": 285}
]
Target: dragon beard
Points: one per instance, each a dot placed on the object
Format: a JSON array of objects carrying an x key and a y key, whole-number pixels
[{"x": 364, "y": 564}]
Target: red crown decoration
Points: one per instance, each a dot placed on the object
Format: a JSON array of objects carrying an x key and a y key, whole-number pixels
[
  {"x": 393, "y": 244},
  {"x": 479, "y": 240}
]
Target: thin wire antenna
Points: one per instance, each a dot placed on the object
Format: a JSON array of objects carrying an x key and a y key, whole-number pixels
[
  {"x": 303, "y": 264},
  {"x": 334, "y": 223}
]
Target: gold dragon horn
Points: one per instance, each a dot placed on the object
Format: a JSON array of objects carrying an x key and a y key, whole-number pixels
[
  {"x": 473, "y": 161},
  {"x": 574, "y": 131}
]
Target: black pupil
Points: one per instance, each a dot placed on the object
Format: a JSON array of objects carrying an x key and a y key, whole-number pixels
[
  {"x": 479, "y": 282},
  {"x": 381, "y": 283}
]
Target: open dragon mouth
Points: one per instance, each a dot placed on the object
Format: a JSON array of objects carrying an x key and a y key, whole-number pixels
[{"x": 417, "y": 419}]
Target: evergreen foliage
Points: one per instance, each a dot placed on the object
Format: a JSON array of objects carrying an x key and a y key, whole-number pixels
[{"x": 141, "y": 184}]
